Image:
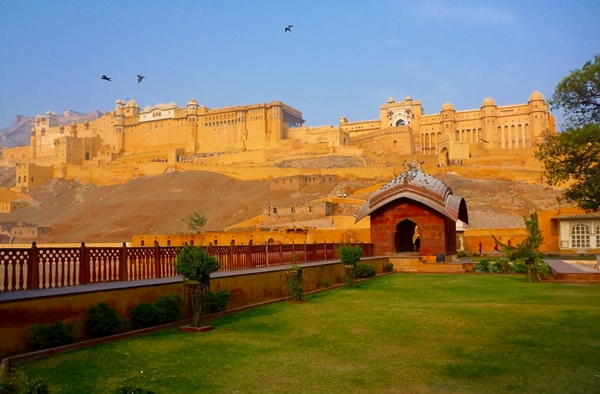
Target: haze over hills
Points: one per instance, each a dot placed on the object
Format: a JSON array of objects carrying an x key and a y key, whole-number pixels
[
  {"x": 19, "y": 133},
  {"x": 156, "y": 204}
]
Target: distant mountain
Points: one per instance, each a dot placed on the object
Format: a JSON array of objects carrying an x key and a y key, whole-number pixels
[{"x": 18, "y": 134}]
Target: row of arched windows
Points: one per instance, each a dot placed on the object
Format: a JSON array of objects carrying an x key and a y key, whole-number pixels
[{"x": 513, "y": 137}]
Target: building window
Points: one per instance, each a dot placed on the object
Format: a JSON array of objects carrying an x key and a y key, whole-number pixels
[
  {"x": 293, "y": 209},
  {"x": 274, "y": 210},
  {"x": 142, "y": 243},
  {"x": 580, "y": 236},
  {"x": 598, "y": 236}
]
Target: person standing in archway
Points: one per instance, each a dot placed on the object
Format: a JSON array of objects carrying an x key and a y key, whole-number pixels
[{"x": 416, "y": 240}]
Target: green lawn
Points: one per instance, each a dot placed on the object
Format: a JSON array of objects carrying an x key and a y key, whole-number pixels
[{"x": 398, "y": 333}]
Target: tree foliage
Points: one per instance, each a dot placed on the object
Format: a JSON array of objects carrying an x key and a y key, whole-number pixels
[
  {"x": 572, "y": 157},
  {"x": 349, "y": 254},
  {"x": 578, "y": 95},
  {"x": 194, "y": 264},
  {"x": 528, "y": 250},
  {"x": 195, "y": 221}
]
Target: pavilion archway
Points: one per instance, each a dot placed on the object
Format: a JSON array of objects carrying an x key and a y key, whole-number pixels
[{"x": 403, "y": 236}]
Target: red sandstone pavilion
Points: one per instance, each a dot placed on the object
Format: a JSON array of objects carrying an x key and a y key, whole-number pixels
[{"x": 414, "y": 212}]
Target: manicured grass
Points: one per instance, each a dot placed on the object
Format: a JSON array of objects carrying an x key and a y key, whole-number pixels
[{"x": 398, "y": 333}]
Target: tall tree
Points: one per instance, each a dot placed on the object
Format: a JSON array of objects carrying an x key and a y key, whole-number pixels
[
  {"x": 578, "y": 95},
  {"x": 529, "y": 249},
  {"x": 573, "y": 156}
]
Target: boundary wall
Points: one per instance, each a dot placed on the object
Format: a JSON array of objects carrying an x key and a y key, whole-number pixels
[{"x": 20, "y": 310}]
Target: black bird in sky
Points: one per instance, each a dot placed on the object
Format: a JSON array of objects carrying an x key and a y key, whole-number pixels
[
  {"x": 104, "y": 77},
  {"x": 289, "y": 28},
  {"x": 140, "y": 77}
]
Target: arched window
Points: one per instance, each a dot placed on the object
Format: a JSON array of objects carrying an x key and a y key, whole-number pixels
[
  {"x": 191, "y": 242},
  {"x": 19, "y": 180},
  {"x": 142, "y": 243},
  {"x": 598, "y": 236},
  {"x": 168, "y": 242},
  {"x": 580, "y": 236}
]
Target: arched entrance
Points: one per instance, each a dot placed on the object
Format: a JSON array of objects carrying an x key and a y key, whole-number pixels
[
  {"x": 403, "y": 236},
  {"x": 444, "y": 157}
]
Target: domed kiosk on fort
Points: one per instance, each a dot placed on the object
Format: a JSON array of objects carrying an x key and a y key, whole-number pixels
[{"x": 414, "y": 212}]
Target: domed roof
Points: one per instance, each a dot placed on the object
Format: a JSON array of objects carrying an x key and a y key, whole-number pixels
[
  {"x": 192, "y": 102},
  {"x": 390, "y": 101},
  {"x": 408, "y": 98},
  {"x": 536, "y": 96},
  {"x": 447, "y": 106},
  {"x": 418, "y": 186},
  {"x": 132, "y": 103},
  {"x": 488, "y": 101}
]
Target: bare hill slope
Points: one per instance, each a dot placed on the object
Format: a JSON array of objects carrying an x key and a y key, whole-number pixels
[{"x": 156, "y": 204}]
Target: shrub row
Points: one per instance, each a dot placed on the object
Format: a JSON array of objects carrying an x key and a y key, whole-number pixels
[{"x": 503, "y": 266}]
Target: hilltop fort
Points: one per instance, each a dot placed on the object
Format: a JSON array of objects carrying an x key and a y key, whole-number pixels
[{"x": 101, "y": 150}]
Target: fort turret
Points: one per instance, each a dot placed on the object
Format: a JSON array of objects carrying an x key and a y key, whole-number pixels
[
  {"x": 488, "y": 120},
  {"x": 32, "y": 144},
  {"x": 537, "y": 115},
  {"x": 447, "y": 119}
]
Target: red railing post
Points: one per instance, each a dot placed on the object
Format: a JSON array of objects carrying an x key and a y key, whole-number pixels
[
  {"x": 280, "y": 254},
  {"x": 231, "y": 261},
  {"x": 267, "y": 253},
  {"x": 305, "y": 257},
  {"x": 156, "y": 260},
  {"x": 123, "y": 263},
  {"x": 33, "y": 271},
  {"x": 84, "y": 266},
  {"x": 249, "y": 257}
]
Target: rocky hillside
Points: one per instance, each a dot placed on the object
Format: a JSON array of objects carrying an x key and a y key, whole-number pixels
[{"x": 156, "y": 204}]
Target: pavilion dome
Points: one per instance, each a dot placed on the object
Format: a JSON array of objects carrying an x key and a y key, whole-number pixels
[
  {"x": 488, "y": 102},
  {"x": 536, "y": 96},
  {"x": 418, "y": 186},
  {"x": 447, "y": 106}
]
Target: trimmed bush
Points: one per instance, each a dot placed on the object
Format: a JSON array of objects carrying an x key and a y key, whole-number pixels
[
  {"x": 542, "y": 269},
  {"x": 145, "y": 315},
  {"x": 219, "y": 300},
  {"x": 170, "y": 304},
  {"x": 350, "y": 255},
  {"x": 365, "y": 271},
  {"x": 57, "y": 334},
  {"x": 388, "y": 267},
  {"x": 517, "y": 267},
  {"x": 461, "y": 253},
  {"x": 482, "y": 266},
  {"x": 102, "y": 320}
]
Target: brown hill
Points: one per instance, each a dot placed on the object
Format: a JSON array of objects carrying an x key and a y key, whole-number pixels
[{"x": 156, "y": 204}]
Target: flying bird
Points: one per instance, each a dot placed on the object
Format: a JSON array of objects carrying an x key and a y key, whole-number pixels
[
  {"x": 289, "y": 28},
  {"x": 104, "y": 77},
  {"x": 486, "y": 141},
  {"x": 140, "y": 77}
]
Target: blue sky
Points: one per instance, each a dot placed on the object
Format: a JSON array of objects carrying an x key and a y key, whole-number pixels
[{"x": 342, "y": 58}]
